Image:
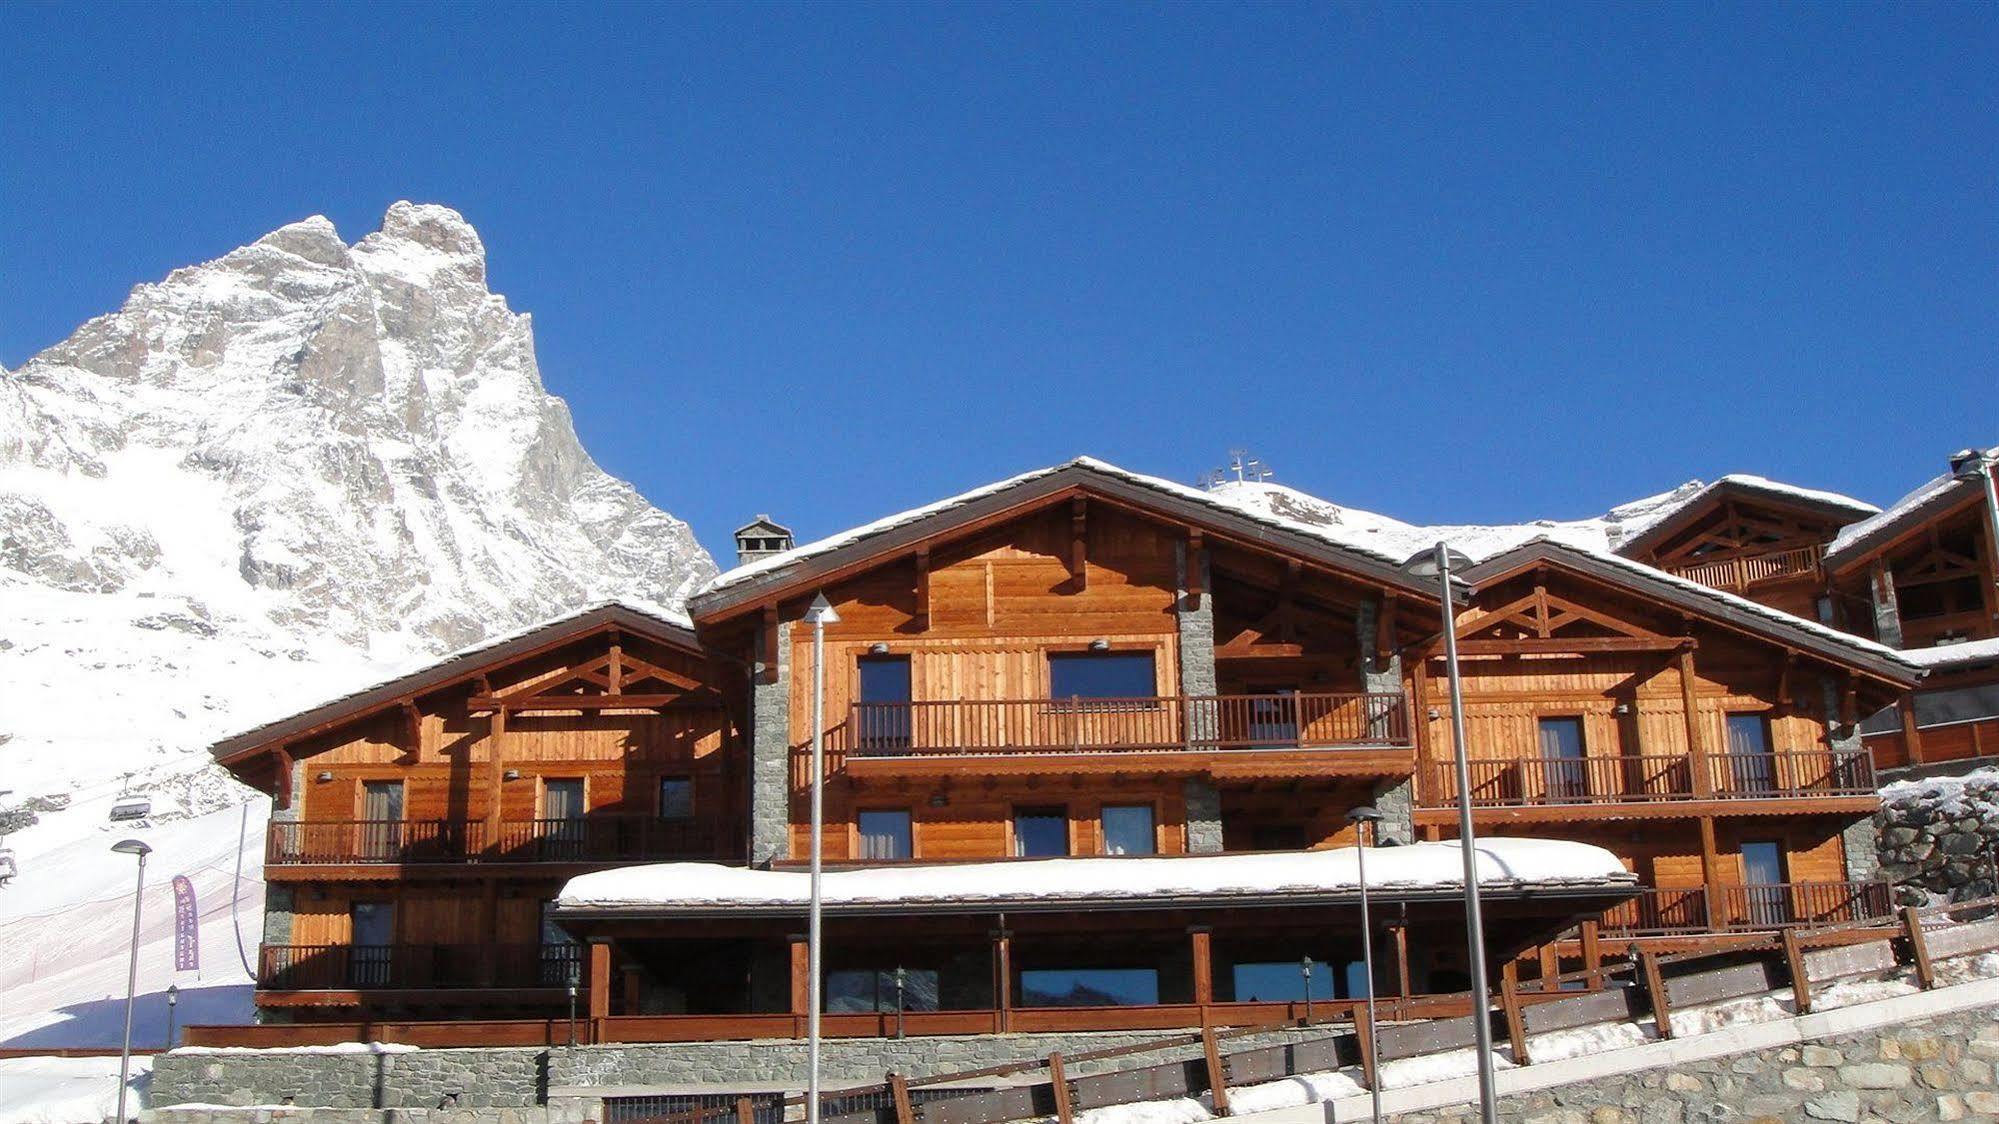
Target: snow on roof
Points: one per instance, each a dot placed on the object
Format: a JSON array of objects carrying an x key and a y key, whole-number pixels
[
  {"x": 1731, "y": 600},
  {"x": 1219, "y": 500},
  {"x": 1687, "y": 497},
  {"x": 1853, "y": 536},
  {"x": 1157, "y": 882},
  {"x": 657, "y": 613},
  {"x": 1951, "y": 655}
]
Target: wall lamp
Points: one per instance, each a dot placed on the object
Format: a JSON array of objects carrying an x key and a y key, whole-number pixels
[
  {"x": 323, "y": 777},
  {"x": 1100, "y": 645},
  {"x": 879, "y": 648},
  {"x": 511, "y": 775}
]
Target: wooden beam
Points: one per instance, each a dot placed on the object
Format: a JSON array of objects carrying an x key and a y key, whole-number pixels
[
  {"x": 770, "y": 634},
  {"x": 412, "y": 729},
  {"x": 615, "y": 671},
  {"x": 496, "y": 739},
  {"x": 600, "y": 987},
  {"x": 1079, "y": 543},
  {"x": 1202, "y": 947},
  {"x": 1592, "y": 950},
  {"x": 1287, "y": 603},
  {"x": 1696, "y": 744},
  {"x": 1059, "y": 1082},
  {"x": 1196, "y": 573},
  {"x": 1516, "y": 1027},
  {"x": 1794, "y": 963},
  {"x": 801, "y": 976},
  {"x": 282, "y": 760},
  {"x": 923, "y": 589},
  {"x": 1565, "y": 646},
  {"x": 1218, "y": 1074},
  {"x": 1710, "y": 869},
  {"x": 1003, "y": 979},
  {"x": 898, "y": 1088},
  {"x": 1912, "y": 738},
  {"x": 1655, "y": 994},
  {"x": 1919, "y": 947},
  {"x": 1384, "y": 627},
  {"x": 587, "y": 702}
]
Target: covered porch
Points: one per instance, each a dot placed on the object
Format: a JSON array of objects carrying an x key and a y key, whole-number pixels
[{"x": 687, "y": 952}]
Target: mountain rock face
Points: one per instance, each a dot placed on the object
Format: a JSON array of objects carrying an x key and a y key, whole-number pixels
[{"x": 275, "y": 475}]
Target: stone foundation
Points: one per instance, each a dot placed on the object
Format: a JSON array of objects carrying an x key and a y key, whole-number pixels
[{"x": 1940, "y": 836}]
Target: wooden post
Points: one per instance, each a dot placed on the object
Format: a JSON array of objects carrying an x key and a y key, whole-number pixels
[
  {"x": 1919, "y": 947},
  {"x": 1003, "y": 979},
  {"x": 746, "y": 1111},
  {"x": 898, "y": 1088},
  {"x": 600, "y": 986},
  {"x": 1697, "y": 760},
  {"x": 631, "y": 988},
  {"x": 1059, "y": 1082},
  {"x": 1711, "y": 873},
  {"x": 282, "y": 762},
  {"x": 1364, "y": 1037},
  {"x": 496, "y": 739},
  {"x": 1655, "y": 993},
  {"x": 1202, "y": 940},
  {"x": 1516, "y": 1027},
  {"x": 1592, "y": 955},
  {"x": 1794, "y": 962},
  {"x": 1912, "y": 738},
  {"x": 1402, "y": 967},
  {"x": 801, "y": 979},
  {"x": 1218, "y": 1077}
]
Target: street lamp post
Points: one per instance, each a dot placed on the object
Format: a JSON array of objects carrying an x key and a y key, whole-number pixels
[
  {"x": 819, "y": 615},
  {"x": 1367, "y": 820},
  {"x": 131, "y": 847},
  {"x": 173, "y": 1012},
  {"x": 1438, "y": 563}
]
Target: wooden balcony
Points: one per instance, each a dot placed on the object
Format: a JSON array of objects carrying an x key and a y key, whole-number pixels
[
  {"x": 1585, "y": 782},
  {"x": 1741, "y": 573},
  {"x": 410, "y": 967},
  {"x": 1131, "y": 733},
  {"x": 1690, "y": 910},
  {"x": 594, "y": 839}
]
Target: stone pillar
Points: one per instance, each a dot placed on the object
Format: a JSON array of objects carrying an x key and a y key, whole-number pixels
[
  {"x": 278, "y": 897},
  {"x": 1204, "y": 816},
  {"x": 1862, "y": 838},
  {"x": 770, "y": 751},
  {"x": 1394, "y": 799},
  {"x": 1197, "y": 680},
  {"x": 1887, "y": 610}
]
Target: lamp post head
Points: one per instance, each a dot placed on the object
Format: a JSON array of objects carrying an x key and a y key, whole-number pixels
[
  {"x": 173, "y": 994},
  {"x": 1366, "y": 813},
  {"x": 132, "y": 847},
  {"x": 821, "y": 611},
  {"x": 1430, "y": 561}
]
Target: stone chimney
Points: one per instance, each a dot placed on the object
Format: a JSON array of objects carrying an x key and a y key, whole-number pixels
[{"x": 760, "y": 538}]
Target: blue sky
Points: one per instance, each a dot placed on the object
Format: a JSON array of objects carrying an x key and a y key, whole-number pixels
[{"x": 830, "y": 261}]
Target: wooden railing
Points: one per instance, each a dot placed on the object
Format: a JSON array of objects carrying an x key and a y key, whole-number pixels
[
  {"x": 293, "y": 967},
  {"x": 1690, "y": 910},
  {"x": 597, "y": 838},
  {"x": 1538, "y": 781},
  {"x": 1747, "y": 570},
  {"x": 1087, "y": 725}
]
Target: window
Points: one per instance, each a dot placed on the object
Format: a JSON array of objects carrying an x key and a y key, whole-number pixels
[
  {"x": 381, "y": 815},
  {"x": 562, "y": 799},
  {"x": 1281, "y": 981},
  {"x": 1101, "y": 675},
  {"x": 371, "y": 959},
  {"x": 1040, "y": 832},
  {"x": 1353, "y": 980},
  {"x": 1767, "y": 900},
  {"x": 883, "y": 716},
  {"x": 1128, "y": 830},
  {"x": 885, "y": 834},
  {"x": 560, "y": 955},
  {"x": 562, "y": 827},
  {"x": 1562, "y": 759},
  {"x": 861, "y": 990},
  {"x": 1089, "y": 987},
  {"x": 676, "y": 798},
  {"x": 1273, "y": 718},
  {"x": 1278, "y": 837},
  {"x": 1751, "y": 768}
]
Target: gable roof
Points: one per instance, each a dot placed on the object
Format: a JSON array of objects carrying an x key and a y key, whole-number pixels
[
  {"x": 659, "y": 624},
  {"x": 1716, "y": 605},
  {"x": 781, "y": 574},
  {"x": 1665, "y": 522},
  {"x": 1939, "y": 495}
]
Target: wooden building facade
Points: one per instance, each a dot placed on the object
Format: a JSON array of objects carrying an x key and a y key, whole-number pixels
[{"x": 1079, "y": 662}]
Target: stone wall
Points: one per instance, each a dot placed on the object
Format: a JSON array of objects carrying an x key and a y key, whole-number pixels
[
  {"x": 1940, "y": 835},
  {"x": 519, "y": 1077},
  {"x": 1935, "y": 1069}
]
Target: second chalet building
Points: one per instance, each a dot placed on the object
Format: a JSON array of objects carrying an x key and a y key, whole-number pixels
[{"x": 1092, "y": 739}]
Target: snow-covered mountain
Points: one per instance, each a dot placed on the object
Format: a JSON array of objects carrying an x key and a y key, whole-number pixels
[{"x": 265, "y": 479}]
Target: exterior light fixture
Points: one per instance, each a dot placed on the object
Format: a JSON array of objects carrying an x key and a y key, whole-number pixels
[
  {"x": 511, "y": 775},
  {"x": 819, "y": 615},
  {"x": 878, "y": 648},
  {"x": 323, "y": 776},
  {"x": 138, "y": 848},
  {"x": 1100, "y": 645},
  {"x": 1367, "y": 825}
]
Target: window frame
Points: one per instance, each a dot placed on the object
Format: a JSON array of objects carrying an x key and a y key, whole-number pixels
[
  {"x": 858, "y": 835},
  {"x": 1103, "y": 831},
  {"x": 1149, "y": 699},
  {"x": 1044, "y": 811},
  {"x": 659, "y": 798}
]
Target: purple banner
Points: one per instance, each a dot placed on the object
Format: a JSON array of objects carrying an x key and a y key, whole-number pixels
[{"x": 187, "y": 927}]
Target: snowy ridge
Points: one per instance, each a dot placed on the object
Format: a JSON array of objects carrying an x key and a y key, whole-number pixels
[
  {"x": 1851, "y": 537},
  {"x": 293, "y": 470},
  {"x": 705, "y": 886}
]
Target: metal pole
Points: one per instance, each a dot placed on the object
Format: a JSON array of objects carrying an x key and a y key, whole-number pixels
[
  {"x": 1468, "y": 845},
  {"x": 1992, "y": 506},
  {"x": 1367, "y": 965},
  {"x": 574, "y": 974},
  {"x": 1305, "y": 969},
  {"x": 173, "y": 1011},
  {"x": 818, "y": 834},
  {"x": 131, "y": 990}
]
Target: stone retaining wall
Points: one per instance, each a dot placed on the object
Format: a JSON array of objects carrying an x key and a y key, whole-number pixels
[
  {"x": 1934, "y": 1070},
  {"x": 1940, "y": 835}
]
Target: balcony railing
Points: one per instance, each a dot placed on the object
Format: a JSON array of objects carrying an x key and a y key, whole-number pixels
[
  {"x": 1550, "y": 781},
  {"x": 295, "y": 967},
  {"x": 1098, "y": 725},
  {"x": 616, "y": 838},
  {"x": 1742, "y": 572},
  {"x": 1673, "y": 912}
]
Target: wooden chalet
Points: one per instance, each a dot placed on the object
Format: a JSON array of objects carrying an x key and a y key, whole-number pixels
[{"x": 1079, "y": 663}]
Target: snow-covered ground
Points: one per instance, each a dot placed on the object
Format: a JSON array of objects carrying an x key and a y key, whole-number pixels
[{"x": 67, "y": 1090}]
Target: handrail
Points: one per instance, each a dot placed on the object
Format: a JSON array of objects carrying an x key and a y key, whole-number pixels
[
  {"x": 1110, "y": 725},
  {"x": 1681, "y": 911},
  {"x": 1746, "y": 570},
  {"x": 331, "y": 967},
  {"x": 616, "y": 837},
  {"x": 1650, "y": 778}
]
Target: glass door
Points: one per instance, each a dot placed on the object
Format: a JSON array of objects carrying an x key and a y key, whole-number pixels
[
  {"x": 562, "y": 818},
  {"x": 1763, "y": 883},
  {"x": 1565, "y": 775},
  {"x": 372, "y": 941},
  {"x": 381, "y": 819},
  {"x": 1751, "y": 768}
]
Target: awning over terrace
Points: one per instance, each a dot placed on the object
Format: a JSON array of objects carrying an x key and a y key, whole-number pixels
[{"x": 1513, "y": 868}]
